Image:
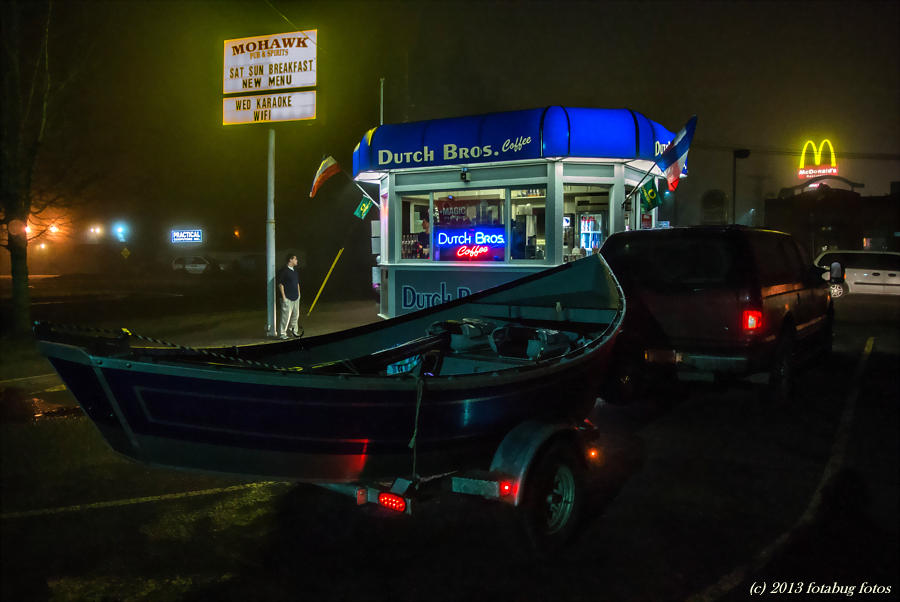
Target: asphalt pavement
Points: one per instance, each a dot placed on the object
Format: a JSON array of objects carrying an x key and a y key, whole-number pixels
[{"x": 704, "y": 493}]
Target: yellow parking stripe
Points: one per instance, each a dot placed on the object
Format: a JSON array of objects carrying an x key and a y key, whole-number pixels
[
  {"x": 138, "y": 500},
  {"x": 21, "y": 378}
]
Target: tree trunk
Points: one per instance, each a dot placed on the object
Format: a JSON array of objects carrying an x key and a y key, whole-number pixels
[{"x": 20, "y": 318}]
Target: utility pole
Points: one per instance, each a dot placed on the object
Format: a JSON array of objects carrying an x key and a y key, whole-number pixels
[
  {"x": 738, "y": 153},
  {"x": 381, "y": 105}
]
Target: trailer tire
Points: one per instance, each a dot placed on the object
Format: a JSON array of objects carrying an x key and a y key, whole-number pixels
[{"x": 553, "y": 498}]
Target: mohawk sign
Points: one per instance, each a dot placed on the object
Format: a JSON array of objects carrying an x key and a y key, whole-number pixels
[
  {"x": 818, "y": 169},
  {"x": 261, "y": 64}
]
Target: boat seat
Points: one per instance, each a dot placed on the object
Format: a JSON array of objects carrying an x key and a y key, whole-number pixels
[
  {"x": 466, "y": 334},
  {"x": 394, "y": 360},
  {"x": 525, "y": 342}
]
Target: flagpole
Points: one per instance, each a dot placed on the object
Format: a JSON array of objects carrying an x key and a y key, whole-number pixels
[
  {"x": 638, "y": 187},
  {"x": 327, "y": 276},
  {"x": 366, "y": 194}
]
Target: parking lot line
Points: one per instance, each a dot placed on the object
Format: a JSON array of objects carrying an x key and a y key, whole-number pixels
[
  {"x": 21, "y": 378},
  {"x": 137, "y": 500},
  {"x": 838, "y": 450}
]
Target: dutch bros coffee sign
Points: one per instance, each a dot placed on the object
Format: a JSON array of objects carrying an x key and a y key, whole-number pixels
[
  {"x": 817, "y": 168},
  {"x": 483, "y": 243}
]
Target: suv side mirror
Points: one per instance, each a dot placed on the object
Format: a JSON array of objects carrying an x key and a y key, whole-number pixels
[{"x": 837, "y": 273}]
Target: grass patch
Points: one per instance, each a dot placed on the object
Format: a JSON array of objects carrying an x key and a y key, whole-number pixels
[
  {"x": 65, "y": 462},
  {"x": 19, "y": 357}
]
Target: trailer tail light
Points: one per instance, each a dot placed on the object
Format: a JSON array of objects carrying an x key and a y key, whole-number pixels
[
  {"x": 751, "y": 320},
  {"x": 392, "y": 501}
]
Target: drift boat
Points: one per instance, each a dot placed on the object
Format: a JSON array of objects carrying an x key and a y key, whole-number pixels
[{"x": 424, "y": 393}]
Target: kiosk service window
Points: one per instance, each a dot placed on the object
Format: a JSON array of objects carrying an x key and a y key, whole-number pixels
[
  {"x": 415, "y": 238},
  {"x": 469, "y": 225},
  {"x": 472, "y": 226},
  {"x": 528, "y": 208}
]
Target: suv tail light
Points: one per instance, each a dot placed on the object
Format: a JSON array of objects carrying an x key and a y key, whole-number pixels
[{"x": 751, "y": 320}]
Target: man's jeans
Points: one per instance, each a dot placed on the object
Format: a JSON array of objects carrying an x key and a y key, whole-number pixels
[{"x": 290, "y": 314}]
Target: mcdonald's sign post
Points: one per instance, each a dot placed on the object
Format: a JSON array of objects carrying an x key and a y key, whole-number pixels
[{"x": 818, "y": 168}]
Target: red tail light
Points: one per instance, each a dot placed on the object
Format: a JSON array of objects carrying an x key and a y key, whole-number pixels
[
  {"x": 392, "y": 501},
  {"x": 507, "y": 488},
  {"x": 751, "y": 320}
]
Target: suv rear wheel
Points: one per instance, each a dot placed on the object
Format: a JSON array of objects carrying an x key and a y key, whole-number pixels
[
  {"x": 781, "y": 375},
  {"x": 625, "y": 380}
]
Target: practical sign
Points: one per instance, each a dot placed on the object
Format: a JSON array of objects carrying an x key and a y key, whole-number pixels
[
  {"x": 817, "y": 169},
  {"x": 179, "y": 236},
  {"x": 470, "y": 244},
  {"x": 265, "y": 108},
  {"x": 281, "y": 61}
]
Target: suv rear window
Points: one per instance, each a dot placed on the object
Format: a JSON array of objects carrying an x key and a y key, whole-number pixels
[
  {"x": 777, "y": 258},
  {"x": 673, "y": 260}
]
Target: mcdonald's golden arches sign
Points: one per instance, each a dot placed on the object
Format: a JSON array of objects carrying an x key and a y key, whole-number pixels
[{"x": 819, "y": 168}]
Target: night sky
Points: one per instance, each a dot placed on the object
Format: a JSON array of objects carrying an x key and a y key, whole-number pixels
[{"x": 138, "y": 131}]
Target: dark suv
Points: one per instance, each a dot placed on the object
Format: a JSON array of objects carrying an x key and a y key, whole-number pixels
[{"x": 705, "y": 303}]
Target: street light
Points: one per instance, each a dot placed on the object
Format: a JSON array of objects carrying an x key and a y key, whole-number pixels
[
  {"x": 120, "y": 230},
  {"x": 739, "y": 153}
]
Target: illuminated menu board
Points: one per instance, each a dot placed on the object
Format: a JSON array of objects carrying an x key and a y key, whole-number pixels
[{"x": 480, "y": 243}]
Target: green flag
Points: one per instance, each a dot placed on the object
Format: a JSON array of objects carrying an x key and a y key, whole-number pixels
[
  {"x": 363, "y": 208},
  {"x": 649, "y": 196}
]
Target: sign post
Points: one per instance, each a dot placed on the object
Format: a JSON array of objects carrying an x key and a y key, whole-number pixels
[
  {"x": 271, "y": 327},
  {"x": 267, "y": 79}
]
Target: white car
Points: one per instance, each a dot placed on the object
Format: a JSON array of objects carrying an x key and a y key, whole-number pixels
[
  {"x": 195, "y": 264},
  {"x": 865, "y": 272}
]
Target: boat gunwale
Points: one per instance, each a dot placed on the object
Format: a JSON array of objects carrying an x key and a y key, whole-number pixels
[{"x": 347, "y": 381}]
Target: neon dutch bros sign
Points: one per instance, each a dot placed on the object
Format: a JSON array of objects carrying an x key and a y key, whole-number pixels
[{"x": 484, "y": 243}]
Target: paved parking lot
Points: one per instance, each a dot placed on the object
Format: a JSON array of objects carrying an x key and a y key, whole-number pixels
[{"x": 701, "y": 496}]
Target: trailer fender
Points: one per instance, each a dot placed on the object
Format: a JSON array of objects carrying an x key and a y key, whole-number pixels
[{"x": 520, "y": 447}]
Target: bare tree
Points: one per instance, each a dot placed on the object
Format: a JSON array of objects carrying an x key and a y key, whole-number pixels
[
  {"x": 32, "y": 204},
  {"x": 26, "y": 93}
]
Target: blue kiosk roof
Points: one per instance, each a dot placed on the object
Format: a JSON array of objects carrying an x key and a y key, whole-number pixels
[{"x": 511, "y": 136}]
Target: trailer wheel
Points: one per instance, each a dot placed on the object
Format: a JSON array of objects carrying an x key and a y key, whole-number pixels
[{"x": 552, "y": 500}]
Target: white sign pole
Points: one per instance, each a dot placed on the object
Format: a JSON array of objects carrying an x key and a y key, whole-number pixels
[
  {"x": 271, "y": 327},
  {"x": 274, "y": 65}
]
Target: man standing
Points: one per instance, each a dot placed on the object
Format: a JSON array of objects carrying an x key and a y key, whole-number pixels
[{"x": 289, "y": 297}]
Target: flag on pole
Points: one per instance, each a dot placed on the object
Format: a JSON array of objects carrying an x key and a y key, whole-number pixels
[
  {"x": 334, "y": 187},
  {"x": 649, "y": 196},
  {"x": 673, "y": 159},
  {"x": 328, "y": 168},
  {"x": 363, "y": 208}
]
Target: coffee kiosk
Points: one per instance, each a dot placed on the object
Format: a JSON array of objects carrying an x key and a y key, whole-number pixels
[{"x": 468, "y": 203}]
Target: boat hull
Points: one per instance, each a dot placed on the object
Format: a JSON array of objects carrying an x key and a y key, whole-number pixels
[
  {"x": 399, "y": 397},
  {"x": 326, "y": 429}
]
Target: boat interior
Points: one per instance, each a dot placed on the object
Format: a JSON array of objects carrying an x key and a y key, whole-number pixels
[{"x": 513, "y": 326}]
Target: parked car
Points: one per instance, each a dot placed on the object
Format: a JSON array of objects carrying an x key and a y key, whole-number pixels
[
  {"x": 863, "y": 272},
  {"x": 196, "y": 264},
  {"x": 709, "y": 303}
]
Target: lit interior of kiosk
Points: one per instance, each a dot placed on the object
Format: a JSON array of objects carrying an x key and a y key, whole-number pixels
[{"x": 471, "y": 202}]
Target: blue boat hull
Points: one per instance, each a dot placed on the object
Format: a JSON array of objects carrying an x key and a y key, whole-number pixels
[{"x": 317, "y": 425}]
